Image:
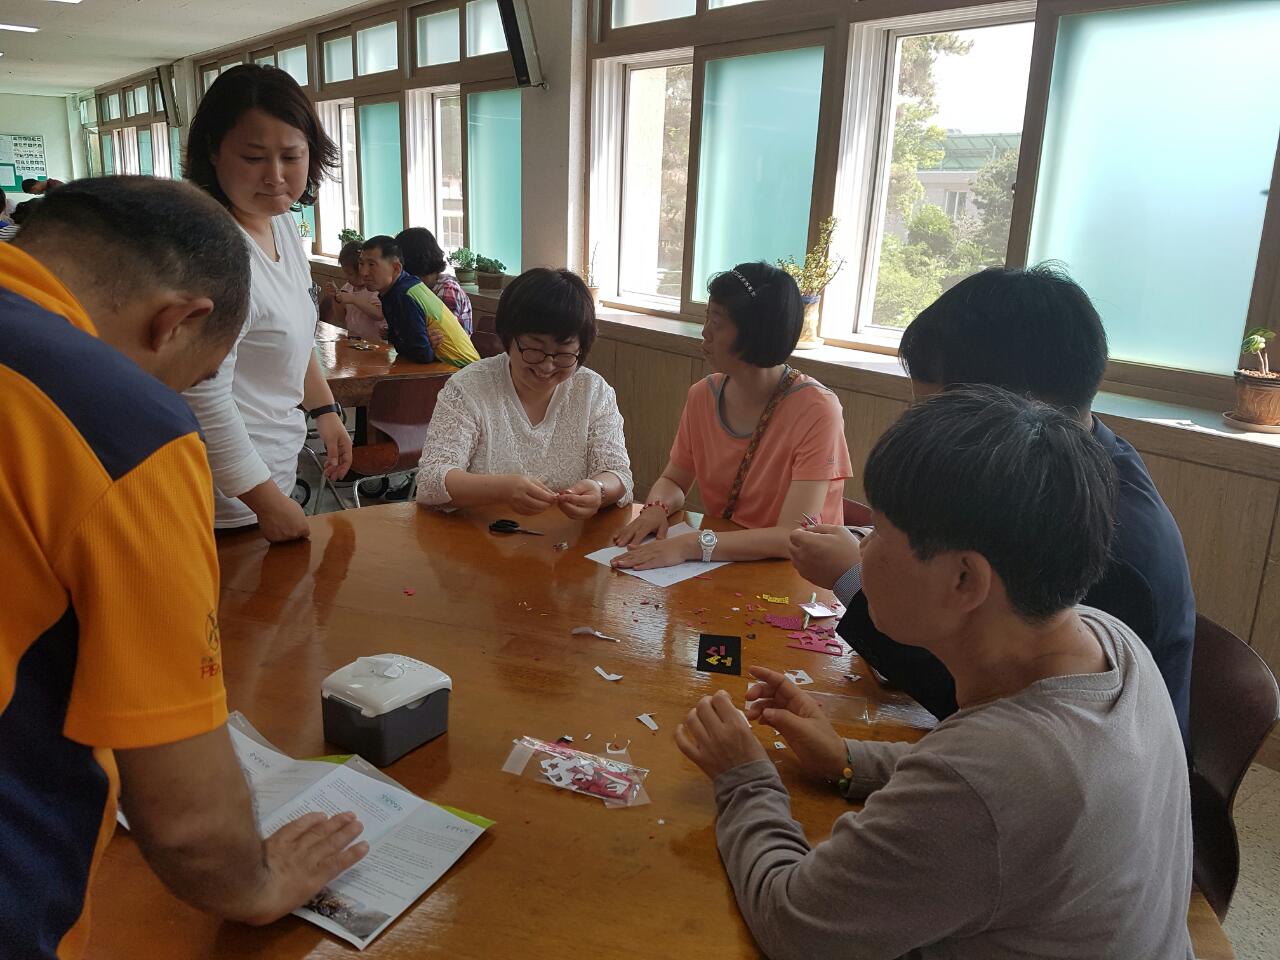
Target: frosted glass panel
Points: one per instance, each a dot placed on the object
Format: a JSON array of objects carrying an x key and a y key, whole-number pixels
[
  {"x": 438, "y": 38},
  {"x": 294, "y": 62},
  {"x": 146, "y": 163},
  {"x": 376, "y": 49},
  {"x": 228, "y": 66},
  {"x": 108, "y": 157},
  {"x": 175, "y": 152},
  {"x": 755, "y": 171},
  {"x": 267, "y": 60},
  {"x": 493, "y": 175},
  {"x": 484, "y": 28},
  {"x": 142, "y": 100},
  {"x": 380, "y": 174},
  {"x": 627, "y": 13},
  {"x": 209, "y": 77},
  {"x": 337, "y": 60},
  {"x": 1153, "y": 175}
]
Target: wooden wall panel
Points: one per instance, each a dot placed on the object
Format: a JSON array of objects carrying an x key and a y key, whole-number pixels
[
  {"x": 602, "y": 359},
  {"x": 1265, "y": 636},
  {"x": 651, "y": 386},
  {"x": 865, "y": 419},
  {"x": 1227, "y": 544}
]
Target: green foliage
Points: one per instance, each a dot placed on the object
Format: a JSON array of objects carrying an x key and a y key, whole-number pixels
[
  {"x": 993, "y": 196},
  {"x": 489, "y": 265},
  {"x": 818, "y": 269},
  {"x": 1255, "y": 344},
  {"x": 463, "y": 259},
  {"x": 934, "y": 229},
  {"x": 349, "y": 236}
]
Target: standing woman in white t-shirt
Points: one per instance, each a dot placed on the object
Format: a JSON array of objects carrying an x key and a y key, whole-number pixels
[{"x": 256, "y": 146}]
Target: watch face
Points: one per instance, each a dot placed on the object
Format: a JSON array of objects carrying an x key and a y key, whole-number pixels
[{"x": 707, "y": 538}]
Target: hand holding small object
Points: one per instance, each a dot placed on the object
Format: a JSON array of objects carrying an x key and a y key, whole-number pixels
[
  {"x": 777, "y": 701},
  {"x": 717, "y": 737},
  {"x": 527, "y": 495},
  {"x": 822, "y": 553},
  {"x": 582, "y": 500}
]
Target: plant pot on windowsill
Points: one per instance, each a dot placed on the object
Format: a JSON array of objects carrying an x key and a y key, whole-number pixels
[
  {"x": 809, "y": 339},
  {"x": 1257, "y": 399},
  {"x": 595, "y": 294},
  {"x": 465, "y": 276},
  {"x": 489, "y": 281}
]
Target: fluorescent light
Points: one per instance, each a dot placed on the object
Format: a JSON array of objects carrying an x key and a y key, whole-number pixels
[{"x": 15, "y": 27}]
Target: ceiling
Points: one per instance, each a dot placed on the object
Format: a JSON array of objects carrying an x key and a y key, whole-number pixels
[{"x": 82, "y": 45}]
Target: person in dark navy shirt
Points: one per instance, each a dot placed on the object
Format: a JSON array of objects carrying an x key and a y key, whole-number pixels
[{"x": 1034, "y": 332}]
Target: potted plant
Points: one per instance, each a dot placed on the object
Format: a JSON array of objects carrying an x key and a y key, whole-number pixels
[
  {"x": 489, "y": 272},
  {"x": 1257, "y": 391},
  {"x": 464, "y": 265},
  {"x": 349, "y": 236},
  {"x": 812, "y": 277},
  {"x": 593, "y": 286}
]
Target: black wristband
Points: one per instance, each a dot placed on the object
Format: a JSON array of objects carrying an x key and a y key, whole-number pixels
[{"x": 327, "y": 408}]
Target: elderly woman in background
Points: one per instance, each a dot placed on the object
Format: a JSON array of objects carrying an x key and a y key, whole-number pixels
[{"x": 426, "y": 261}]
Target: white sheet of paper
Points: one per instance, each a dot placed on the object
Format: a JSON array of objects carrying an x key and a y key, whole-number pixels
[{"x": 663, "y": 576}]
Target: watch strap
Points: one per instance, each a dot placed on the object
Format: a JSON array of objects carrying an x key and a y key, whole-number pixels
[{"x": 326, "y": 408}]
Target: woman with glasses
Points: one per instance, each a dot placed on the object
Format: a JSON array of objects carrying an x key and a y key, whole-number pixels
[{"x": 532, "y": 427}]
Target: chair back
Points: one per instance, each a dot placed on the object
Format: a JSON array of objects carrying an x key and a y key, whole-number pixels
[
  {"x": 401, "y": 408},
  {"x": 1235, "y": 704},
  {"x": 487, "y": 344},
  {"x": 856, "y": 514}
]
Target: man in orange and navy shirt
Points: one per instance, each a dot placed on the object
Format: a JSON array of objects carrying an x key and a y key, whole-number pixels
[{"x": 117, "y": 293}]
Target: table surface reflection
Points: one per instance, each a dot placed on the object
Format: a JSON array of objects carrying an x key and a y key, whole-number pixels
[{"x": 352, "y": 371}]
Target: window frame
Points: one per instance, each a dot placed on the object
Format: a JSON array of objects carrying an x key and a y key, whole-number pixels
[
  {"x": 859, "y": 196},
  {"x": 464, "y": 91}
]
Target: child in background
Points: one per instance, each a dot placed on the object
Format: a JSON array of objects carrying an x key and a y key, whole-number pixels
[
  {"x": 410, "y": 308},
  {"x": 354, "y": 308}
]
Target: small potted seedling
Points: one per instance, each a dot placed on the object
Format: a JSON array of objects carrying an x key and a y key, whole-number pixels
[
  {"x": 489, "y": 272},
  {"x": 1257, "y": 391},
  {"x": 812, "y": 277},
  {"x": 349, "y": 236},
  {"x": 464, "y": 265}
]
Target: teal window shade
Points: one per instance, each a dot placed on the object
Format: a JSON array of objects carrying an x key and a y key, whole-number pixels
[
  {"x": 377, "y": 49},
  {"x": 381, "y": 176},
  {"x": 337, "y": 60},
  {"x": 628, "y": 13},
  {"x": 493, "y": 175},
  {"x": 146, "y": 162},
  {"x": 294, "y": 62},
  {"x": 175, "y": 152},
  {"x": 484, "y": 28},
  {"x": 755, "y": 167},
  {"x": 438, "y": 38},
  {"x": 1153, "y": 176},
  {"x": 108, "y": 155}
]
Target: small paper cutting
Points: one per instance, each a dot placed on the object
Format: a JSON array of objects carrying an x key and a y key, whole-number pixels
[
  {"x": 798, "y": 677},
  {"x": 779, "y": 745},
  {"x": 648, "y": 721},
  {"x": 607, "y": 675},
  {"x": 820, "y": 610}
]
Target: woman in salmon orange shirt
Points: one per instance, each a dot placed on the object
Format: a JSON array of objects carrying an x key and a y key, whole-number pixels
[{"x": 764, "y": 443}]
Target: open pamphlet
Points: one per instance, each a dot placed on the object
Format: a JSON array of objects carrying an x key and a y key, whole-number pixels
[{"x": 411, "y": 842}]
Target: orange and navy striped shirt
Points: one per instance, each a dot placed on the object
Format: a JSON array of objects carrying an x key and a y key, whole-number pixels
[{"x": 108, "y": 629}]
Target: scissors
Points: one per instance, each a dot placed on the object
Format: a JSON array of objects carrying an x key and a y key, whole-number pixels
[{"x": 510, "y": 526}]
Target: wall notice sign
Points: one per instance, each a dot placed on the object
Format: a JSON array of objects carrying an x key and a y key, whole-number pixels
[{"x": 21, "y": 158}]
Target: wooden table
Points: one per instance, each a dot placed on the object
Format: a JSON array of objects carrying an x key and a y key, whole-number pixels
[
  {"x": 352, "y": 373},
  {"x": 558, "y": 872}
]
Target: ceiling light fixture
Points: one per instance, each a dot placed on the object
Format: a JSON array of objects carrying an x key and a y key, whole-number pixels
[{"x": 18, "y": 29}]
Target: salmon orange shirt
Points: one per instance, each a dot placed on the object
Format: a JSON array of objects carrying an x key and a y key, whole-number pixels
[{"x": 804, "y": 441}]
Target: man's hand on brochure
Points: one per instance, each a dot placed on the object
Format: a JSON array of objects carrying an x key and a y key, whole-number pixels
[{"x": 303, "y": 856}]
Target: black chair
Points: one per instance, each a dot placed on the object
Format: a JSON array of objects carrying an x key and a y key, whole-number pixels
[{"x": 1235, "y": 704}]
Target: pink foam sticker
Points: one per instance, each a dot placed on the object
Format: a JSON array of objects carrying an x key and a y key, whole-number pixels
[
  {"x": 784, "y": 623},
  {"x": 833, "y": 648}
]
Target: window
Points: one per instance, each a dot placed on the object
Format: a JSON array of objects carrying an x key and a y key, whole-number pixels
[
  {"x": 655, "y": 175},
  {"x": 86, "y": 107},
  {"x": 157, "y": 98},
  {"x": 146, "y": 161},
  {"x": 141, "y": 99},
  {"x": 293, "y": 61},
  {"x": 175, "y": 152},
  {"x": 438, "y": 38},
  {"x": 755, "y": 168},
  {"x": 265, "y": 60},
  {"x": 1152, "y": 194},
  {"x": 715, "y": 4},
  {"x": 924, "y": 197},
  {"x": 162, "y": 165},
  {"x": 209, "y": 75},
  {"x": 493, "y": 175},
  {"x": 93, "y": 154},
  {"x": 448, "y": 141},
  {"x": 130, "y": 105},
  {"x": 484, "y": 28},
  {"x": 127, "y": 150},
  {"x": 381, "y": 174},
  {"x": 350, "y": 169},
  {"x": 339, "y": 200},
  {"x": 108, "y": 153},
  {"x": 227, "y": 66},
  {"x": 629, "y": 13},
  {"x": 337, "y": 60},
  {"x": 376, "y": 49}
]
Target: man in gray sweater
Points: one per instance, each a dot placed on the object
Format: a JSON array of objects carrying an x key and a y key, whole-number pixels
[{"x": 1049, "y": 816}]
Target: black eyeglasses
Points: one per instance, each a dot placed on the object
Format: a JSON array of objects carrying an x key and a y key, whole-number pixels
[{"x": 533, "y": 357}]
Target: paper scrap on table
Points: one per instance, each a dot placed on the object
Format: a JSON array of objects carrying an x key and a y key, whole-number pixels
[
  {"x": 779, "y": 745},
  {"x": 820, "y": 610},
  {"x": 798, "y": 677},
  {"x": 663, "y": 576},
  {"x": 648, "y": 721},
  {"x": 607, "y": 675}
]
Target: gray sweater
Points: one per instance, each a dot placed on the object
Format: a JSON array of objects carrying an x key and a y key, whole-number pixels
[{"x": 1053, "y": 823}]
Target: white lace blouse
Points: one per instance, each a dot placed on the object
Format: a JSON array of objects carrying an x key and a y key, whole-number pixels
[{"x": 480, "y": 426}]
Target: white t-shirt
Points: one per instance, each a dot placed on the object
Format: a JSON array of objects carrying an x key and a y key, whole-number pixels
[
  {"x": 479, "y": 425},
  {"x": 249, "y": 412}
]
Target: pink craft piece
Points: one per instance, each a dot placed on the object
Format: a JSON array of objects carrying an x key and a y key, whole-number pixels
[
  {"x": 784, "y": 623},
  {"x": 818, "y": 645}
]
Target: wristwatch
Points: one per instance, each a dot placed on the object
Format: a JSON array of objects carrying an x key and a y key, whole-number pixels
[
  {"x": 708, "y": 540},
  {"x": 318, "y": 412}
]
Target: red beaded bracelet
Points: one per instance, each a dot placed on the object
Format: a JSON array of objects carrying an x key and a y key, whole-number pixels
[{"x": 657, "y": 503}]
